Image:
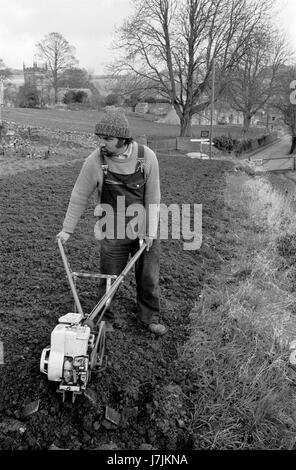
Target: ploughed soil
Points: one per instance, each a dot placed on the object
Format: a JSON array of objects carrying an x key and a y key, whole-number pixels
[{"x": 145, "y": 380}]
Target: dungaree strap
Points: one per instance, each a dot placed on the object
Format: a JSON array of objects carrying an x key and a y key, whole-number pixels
[{"x": 140, "y": 163}]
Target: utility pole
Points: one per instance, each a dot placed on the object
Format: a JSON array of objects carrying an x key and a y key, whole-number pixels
[{"x": 212, "y": 107}]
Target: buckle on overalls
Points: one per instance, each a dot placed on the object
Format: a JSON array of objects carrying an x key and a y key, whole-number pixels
[
  {"x": 141, "y": 164},
  {"x": 104, "y": 169}
]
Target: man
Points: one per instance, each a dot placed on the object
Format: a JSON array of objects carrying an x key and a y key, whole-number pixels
[{"x": 125, "y": 175}]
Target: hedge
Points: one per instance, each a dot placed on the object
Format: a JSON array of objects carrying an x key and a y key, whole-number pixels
[{"x": 228, "y": 144}]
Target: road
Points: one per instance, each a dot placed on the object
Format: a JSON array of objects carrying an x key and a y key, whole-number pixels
[
  {"x": 278, "y": 159},
  {"x": 276, "y": 156},
  {"x": 279, "y": 148}
]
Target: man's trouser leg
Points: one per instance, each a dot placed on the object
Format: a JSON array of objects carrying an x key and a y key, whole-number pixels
[
  {"x": 147, "y": 278},
  {"x": 114, "y": 256}
]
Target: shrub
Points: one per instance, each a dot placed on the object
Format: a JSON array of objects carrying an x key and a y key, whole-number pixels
[
  {"x": 261, "y": 140},
  {"x": 132, "y": 101},
  {"x": 224, "y": 143},
  {"x": 228, "y": 144},
  {"x": 73, "y": 96},
  {"x": 28, "y": 97},
  {"x": 112, "y": 99},
  {"x": 68, "y": 97},
  {"x": 81, "y": 96}
]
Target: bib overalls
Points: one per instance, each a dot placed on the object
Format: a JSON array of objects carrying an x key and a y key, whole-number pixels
[{"x": 115, "y": 252}]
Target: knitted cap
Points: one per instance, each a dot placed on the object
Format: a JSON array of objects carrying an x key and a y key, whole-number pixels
[{"x": 114, "y": 124}]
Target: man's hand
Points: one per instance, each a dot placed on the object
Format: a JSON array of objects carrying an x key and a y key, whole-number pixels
[
  {"x": 63, "y": 236},
  {"x": 148, "y": 241}
]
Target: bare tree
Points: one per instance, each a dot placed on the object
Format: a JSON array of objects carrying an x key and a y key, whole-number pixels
[
  {"x": 173, "y": 43},
  {"x": 58, "y": 54},
  {"x": 253, "y": 81}
]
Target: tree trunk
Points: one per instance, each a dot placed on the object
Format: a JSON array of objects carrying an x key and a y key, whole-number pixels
[
  {"x": 293, "y": 144},
  {"x": 247, "y": 123},
  {"x": 55, "y": 86},
  {"x": 185, "y": 122},
  {"x": 55, "y": 94}
]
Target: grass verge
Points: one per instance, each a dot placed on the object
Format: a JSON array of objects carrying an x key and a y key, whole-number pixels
[{"x": 242, "y": 393}]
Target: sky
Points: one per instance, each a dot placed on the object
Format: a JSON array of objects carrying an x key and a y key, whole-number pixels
[
  {"x": 88, "y": 25},
  {"x": 285, "y": 18}
]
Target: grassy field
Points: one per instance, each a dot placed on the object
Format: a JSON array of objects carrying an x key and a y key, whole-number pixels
[
  {"x": 242, "y": 325},
  {"x": 84, "y": 121}
]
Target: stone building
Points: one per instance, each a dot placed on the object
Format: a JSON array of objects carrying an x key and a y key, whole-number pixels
[{"x": 36, "y": 77}]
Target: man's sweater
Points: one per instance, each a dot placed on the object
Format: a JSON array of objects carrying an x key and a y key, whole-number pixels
[{"x": 91, "y": 178}]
